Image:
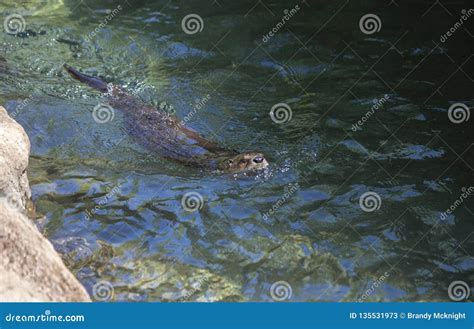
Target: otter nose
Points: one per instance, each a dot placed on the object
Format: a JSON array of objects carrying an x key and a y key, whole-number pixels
[{"x": 258, "y": 159}]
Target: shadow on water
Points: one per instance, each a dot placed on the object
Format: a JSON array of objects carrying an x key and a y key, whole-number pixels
[{"x": 160, "y": 231}]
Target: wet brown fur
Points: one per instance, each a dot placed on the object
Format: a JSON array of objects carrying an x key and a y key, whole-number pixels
[{"x": 162, "y": 133}]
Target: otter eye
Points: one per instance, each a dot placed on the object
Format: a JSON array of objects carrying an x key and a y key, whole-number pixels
[
  {"x": 243, "y": 161},
  {"x": 258, "y": 159},
  {"x": 230, "y": 161}
]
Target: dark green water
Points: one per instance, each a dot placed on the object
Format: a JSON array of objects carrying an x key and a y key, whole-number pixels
[{"x": 113, "y": 209}]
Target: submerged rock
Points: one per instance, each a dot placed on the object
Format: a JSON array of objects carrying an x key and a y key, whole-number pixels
[
  {"x": 309, "y": 273},
  {"x": 30, "y": 268},
  {"x": 296, "y": 254},
  {"x": 172, "y": 281}
]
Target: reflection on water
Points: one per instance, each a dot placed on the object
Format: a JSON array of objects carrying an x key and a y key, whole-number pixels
[{"x": 114, "y": 210}]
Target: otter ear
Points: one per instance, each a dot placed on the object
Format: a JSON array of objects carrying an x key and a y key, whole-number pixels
[{"x": 230, "y": 161}]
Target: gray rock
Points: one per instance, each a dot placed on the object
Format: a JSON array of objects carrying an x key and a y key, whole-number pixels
[
  {"x": 30, "y": 268},
  {"x": 14, "y": 152}
]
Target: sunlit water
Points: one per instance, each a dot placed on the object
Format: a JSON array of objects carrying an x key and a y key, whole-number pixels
[{"x": 114, "y": 210}]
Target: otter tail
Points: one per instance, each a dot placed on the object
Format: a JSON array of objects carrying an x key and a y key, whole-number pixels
[{"x": 93, "y": 82}]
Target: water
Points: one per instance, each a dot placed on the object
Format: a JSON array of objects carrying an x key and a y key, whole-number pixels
[{"x": 114, "y": 210}]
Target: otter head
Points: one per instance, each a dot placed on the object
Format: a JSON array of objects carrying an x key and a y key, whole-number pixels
[{"x": 244, "y": 162}]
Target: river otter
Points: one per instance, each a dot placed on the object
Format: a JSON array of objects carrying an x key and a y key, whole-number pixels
[{"x": 160, "y": 132}]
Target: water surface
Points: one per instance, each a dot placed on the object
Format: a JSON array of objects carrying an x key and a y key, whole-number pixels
[{"x": 113, "y": 209}]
